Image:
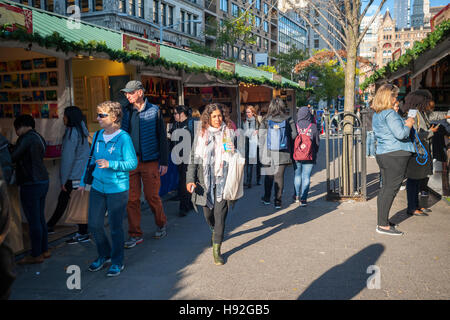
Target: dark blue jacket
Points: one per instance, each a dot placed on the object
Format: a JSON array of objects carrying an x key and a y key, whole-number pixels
[{"x": 152, "y": 133}]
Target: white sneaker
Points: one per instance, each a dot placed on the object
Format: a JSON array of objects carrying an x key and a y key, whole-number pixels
[{"x": 160, "y": 233}]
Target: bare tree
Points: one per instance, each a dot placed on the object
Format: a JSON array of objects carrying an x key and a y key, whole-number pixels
[{"x": 342, "y": 19}]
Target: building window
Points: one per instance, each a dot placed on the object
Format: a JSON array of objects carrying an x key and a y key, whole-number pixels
[
  {"x": 266, "y": 26},
  {"x": 37, "y": 4},
  {"x": 258, "y": 41},
  {"x": 183, "y": 19},
  {"x": 171, "y": 16},
  {"x": 316, "y": 43},
  {"x": 155, "y": 11},
  {"x": 194, "y": 26},
  {"x": 97, "y": 5},
  {"x": 132, "y": 4},
  {"x": 141, "y": 9},
  {"x": 235, "y": 52},
  {"x": 250, "y": 57},
  {"x": 224, "y": 5},
  {"x": 189, "y": 22},
  {"x": 84, "y": 5},
  {"x": 243, "y": 54},
  {"x": 266, "y": 8},
  {"x": 266, "y": 44},
  {"x": 49, "y": 5},
  {"x": 234, "y": 10},
  {"x": 163, "y": 14},
  {"x": 257, "y": 22},
  {"x": 122, "y": 7},
  {"x": 258, "y": 4}
]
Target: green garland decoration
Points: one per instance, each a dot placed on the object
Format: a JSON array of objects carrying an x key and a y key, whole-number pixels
[
  {"x": 431, "y": 41},
  {"x": 57, "y": 42}
]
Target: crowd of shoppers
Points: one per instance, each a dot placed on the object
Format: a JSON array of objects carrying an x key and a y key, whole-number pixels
[{"x": 131, "y": 152}]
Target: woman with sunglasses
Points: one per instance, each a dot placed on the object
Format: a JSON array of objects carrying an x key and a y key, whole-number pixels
[
  {"x": 114, "y": 156},
  {"x": 394, "y": 149}
]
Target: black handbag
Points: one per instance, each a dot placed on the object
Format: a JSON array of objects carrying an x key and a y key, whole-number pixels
[{"x": 88, "y": 177}]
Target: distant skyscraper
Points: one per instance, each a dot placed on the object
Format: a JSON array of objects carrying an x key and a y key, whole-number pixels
[
  {"x": 401, "y": 15},
  {"x": 420, "y": 13}
]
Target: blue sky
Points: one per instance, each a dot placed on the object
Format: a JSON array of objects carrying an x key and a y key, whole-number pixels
[{"x": 390, "y": 4}]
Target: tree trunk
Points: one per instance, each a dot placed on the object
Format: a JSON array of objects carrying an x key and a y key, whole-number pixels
[{"x": 349, "y": 105}]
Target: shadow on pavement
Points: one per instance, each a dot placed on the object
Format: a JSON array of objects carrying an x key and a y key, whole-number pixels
[{"x": 346, "y": 280}]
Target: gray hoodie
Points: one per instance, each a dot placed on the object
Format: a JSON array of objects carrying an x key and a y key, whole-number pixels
[{"x": 74, "y": 156}]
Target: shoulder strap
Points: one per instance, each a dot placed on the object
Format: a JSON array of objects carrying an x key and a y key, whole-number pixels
[{"x": 93, "y": 144}]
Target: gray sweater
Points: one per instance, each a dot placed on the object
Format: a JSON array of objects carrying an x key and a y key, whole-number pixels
[{"x": 74, "y": 156}]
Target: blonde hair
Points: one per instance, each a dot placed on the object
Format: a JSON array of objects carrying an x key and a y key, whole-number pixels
[
  {"x": 383, "y": 97},
  {"x": 114, "y": 109},
  {"x": 195, "y": 113},
  {"x": 252, "y": 109}
]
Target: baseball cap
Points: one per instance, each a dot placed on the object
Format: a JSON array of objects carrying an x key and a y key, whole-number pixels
[{"x": 133, "y": 86}]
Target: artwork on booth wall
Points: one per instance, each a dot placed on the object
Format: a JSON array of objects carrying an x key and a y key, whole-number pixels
[
  {"x": 3, "y": 96},
  {"x": 38, "y": 95},
  {"x": 39, "y": 63},
  {"x": 50, "y": 63},
  {"x": 27, "y": 64},
  {"x": 44, "y": 111},
  {"x": 7, "y": 82},
  {"x": 23, "y": 84},
  {"x": 13, "y": 66},
  {"x": 36, "y": 110},
  {"x": 17, "y": 110},
  {"x": 43, "y": 79},
  {"x": 34, "y": 78},
  {"x": 26, "y": 109},
  {"x": 53, "y": 78},
  {"x": 53, "y": 111},
  {"x": 26, "y": 81},
  {"x": 8, "y": 110},
  {"x": 26, "y": 96},
  {"x": 14, "y": 96},
  {"x": 51, "y": 95}
]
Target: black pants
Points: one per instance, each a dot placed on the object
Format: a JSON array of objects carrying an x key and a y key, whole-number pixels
[
  {"x": 412, "y": 194},
  {"x": 61, "y": 206},
  {"x": 278, "y": 178},
  {"x": 183, "y": 194},
  {"x": 215, "y": 219},
  {"x": 423, "y": 184},
  {"x": 393, "y": 171},
  {"x": 249, "y": 173}
]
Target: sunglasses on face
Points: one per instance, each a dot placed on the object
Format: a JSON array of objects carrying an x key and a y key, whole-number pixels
[{"x": 102, "y": 115}]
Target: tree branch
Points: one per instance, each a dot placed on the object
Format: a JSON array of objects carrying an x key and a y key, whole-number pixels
[
  {"x": 363, "y": 33},
  {"x": 304, "y": 17},
  {"x": 319, "y": 11}
]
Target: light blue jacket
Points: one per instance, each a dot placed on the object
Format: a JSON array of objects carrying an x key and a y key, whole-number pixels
[
  {"x": 121, "y": 157},
  {"x": 390, "y": 132}
]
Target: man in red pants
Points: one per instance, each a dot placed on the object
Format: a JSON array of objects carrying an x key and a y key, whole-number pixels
[{"x": 145, "y": 124}]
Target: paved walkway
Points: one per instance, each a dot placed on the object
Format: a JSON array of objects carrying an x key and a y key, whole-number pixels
[{"x": 322, "y": 251}]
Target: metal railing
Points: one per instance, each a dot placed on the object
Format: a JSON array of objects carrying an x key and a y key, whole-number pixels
[{"x": 346, "y": 162}]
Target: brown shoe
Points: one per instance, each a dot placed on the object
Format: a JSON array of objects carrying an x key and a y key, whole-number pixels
[
  {"x": 47, "y": 254},
  {"x": 31, "y": 260}
]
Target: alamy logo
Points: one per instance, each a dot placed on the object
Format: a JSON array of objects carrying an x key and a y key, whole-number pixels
[
  {"x": 74, "y": 280},
  {"x": 74, "y": 19},
  {"x": 374, "y": 281}
]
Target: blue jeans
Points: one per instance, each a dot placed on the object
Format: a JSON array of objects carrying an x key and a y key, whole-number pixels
[
  {"x": 32, "y": 198},
  {"x": 370, "y": 144},
  {"x": 116, "y": 205},
  {"x": 302, "y": 178}
]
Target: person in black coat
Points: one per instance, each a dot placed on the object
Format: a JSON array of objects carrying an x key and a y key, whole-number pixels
[
  {"x": 33, "y": 180},
  {"x": 419, "y": 165}
]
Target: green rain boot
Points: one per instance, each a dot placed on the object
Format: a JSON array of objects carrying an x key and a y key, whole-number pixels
[{"x": 218, "y": 260}]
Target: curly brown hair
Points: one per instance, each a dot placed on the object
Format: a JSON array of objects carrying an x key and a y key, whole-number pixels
[
  {"x": 210, "y": 108},
  {"x": 419, "y": 99}
]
